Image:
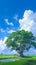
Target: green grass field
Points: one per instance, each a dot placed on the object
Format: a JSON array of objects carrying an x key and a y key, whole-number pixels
[
  {"x": 7, "y": 57},
  {"x": 21, "y": 61}
]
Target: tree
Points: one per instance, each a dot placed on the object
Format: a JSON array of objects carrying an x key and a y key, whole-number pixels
[{"x": 21, "y": 40}]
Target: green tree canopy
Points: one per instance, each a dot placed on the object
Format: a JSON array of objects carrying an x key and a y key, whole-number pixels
[{"x": 21, "y": 40}]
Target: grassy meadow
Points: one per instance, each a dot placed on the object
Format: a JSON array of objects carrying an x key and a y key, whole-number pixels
[
  {"x": 8, "y": 57},
  {"x": 21, "y": 61}
]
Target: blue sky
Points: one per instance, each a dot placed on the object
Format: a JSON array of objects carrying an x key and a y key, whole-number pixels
[
  {"x": 16, "y": 15},
  {"x": 13, "y": 8}
]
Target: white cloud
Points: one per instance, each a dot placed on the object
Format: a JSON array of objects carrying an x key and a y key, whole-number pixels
[
  {"x": 28, "y": 21},
  {"x": 2, "y": 44},
  {"x": 16, "y": 17},
  {"x": 32, "y": 51},
  {"x": 5, "y": 39},
  {"x": 2, "y": 30},
  {"x": 5, "y": 50},
  {"x": 10, "y": 31},
  {"x": 14, "y": 52},
  {"x": 7, "y": 21}
]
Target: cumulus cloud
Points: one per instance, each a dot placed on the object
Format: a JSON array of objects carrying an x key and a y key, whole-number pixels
[
  {"x": 5, "y": 50},
  {"x": 7, "y": 21},
  {"x": 5, "y": 39},
  {"x": 14, "y": 52},
  {"x": 28, "y": 21},
  {"x": 32, "y": 51},
  {"x": 2, "y": 44}
]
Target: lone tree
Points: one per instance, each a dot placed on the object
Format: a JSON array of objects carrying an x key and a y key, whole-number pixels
[{"x": 21, "y": 40}]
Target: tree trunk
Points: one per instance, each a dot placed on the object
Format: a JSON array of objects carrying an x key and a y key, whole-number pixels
[
  {"x": 21, "y": 53},
  {"x": 21, "y": 50}
]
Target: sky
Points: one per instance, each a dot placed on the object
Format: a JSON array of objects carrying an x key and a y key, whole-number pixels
[{"x": 16, "y": 15}]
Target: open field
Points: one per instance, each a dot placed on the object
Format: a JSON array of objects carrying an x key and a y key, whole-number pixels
[
  {"x": 7, "y": 57},
  {"x": 21, "y": 61}
]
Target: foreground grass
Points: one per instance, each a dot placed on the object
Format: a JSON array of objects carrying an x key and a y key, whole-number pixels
[
  {"x": 22, "y": 61},
  {"x": 7, "y": 57}
]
